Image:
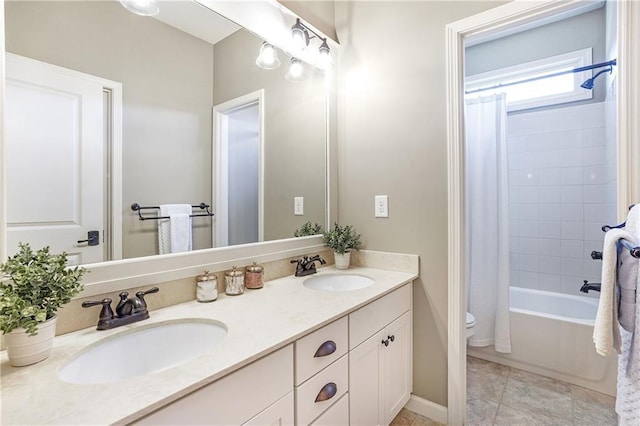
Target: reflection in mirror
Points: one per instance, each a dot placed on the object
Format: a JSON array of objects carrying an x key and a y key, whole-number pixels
[{"x": 262, "y": 146}]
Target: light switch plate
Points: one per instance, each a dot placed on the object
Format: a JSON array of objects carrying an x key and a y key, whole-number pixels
[
  {"x": 381, "y": 206},
  {"x": 298, "y": 206}
]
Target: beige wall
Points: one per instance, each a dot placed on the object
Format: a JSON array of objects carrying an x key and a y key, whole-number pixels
[
  {"x": 167, "y": 87},
  {"x": 294, "y": 130},
  {"x": 392, "y": 140}
]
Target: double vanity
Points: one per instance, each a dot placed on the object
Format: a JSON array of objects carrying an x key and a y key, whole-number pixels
[{"x": 302, "y": 350}]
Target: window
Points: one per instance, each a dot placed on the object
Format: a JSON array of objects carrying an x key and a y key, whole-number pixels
[{"x": 543, "y": 92}]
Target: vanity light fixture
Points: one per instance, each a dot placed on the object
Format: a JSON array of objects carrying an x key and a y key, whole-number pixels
[
  {"x": 300, "y": 40},
  {"x": 268, "y": 57},
  {"x": 141, "y": 7},
  {"x": 296, "y": 71}
]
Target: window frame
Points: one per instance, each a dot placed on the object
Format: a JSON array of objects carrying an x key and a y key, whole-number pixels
[{"x": 549, "y": 65}]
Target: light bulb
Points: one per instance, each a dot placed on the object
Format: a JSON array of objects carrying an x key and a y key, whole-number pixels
[
  {"x": 299, "y": 36},
  {"x": 296, "y": 71},
  {"x": 141, "y": 7},
  {"x": 324, "y": 57},
  {"x": 268, "y": 57}
]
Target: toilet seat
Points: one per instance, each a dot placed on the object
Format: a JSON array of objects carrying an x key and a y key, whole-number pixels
[{"x": 471, "y": 320}]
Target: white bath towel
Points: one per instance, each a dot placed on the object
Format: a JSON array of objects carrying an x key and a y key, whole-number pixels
[
  {"x": 628, "y": 394},
  {"x": 174, "y": 234},
  {"x": 606, "y": 332}
]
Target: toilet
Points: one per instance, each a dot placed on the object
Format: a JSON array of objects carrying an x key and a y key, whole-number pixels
[{"x": 471, "y": 325}]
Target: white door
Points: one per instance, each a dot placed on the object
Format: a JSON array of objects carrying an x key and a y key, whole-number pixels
[
  {"x": 54, "y": 159},
  {"x": 364, "y": 383}
]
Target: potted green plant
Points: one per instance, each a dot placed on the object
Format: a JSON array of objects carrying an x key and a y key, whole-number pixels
[
  {"x": 34, "y": 286},
  {"x": 342, "y": 239},
  {"x": 308, "y": 229}
]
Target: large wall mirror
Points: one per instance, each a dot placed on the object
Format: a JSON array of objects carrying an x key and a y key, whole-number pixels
[{"x": 200, "y": 123}]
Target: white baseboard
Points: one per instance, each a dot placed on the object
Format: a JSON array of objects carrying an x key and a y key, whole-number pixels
[{"x": 427, "y": 408}]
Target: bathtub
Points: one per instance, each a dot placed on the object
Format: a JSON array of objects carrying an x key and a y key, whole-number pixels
[{"x": 551, "y": 335}]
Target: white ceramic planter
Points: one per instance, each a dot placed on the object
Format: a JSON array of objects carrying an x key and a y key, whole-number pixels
[
  {"x": 23, "y": 349},
  {"x": 342, "y": 260}
]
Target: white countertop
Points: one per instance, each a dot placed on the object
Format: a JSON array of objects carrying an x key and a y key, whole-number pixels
[{"x": 258, "y": 322}]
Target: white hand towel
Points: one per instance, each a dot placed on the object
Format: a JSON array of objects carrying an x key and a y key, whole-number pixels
[
  {"x": 606, "y": 333},
  {"x": 174, "y": 234}
]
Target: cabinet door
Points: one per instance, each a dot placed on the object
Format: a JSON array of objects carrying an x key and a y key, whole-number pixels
[
  {"x": 396, "y": 367},
  {"x": 364, "y": 383},
  {"x": 279, "y": 414}
]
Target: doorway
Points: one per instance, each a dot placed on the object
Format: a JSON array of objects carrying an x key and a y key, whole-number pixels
[
  {"x": 489, "y": 23},
  {"x": 238, "y": 165}
]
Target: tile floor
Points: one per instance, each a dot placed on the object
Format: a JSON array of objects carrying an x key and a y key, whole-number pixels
[{"x": 500, "y": 395}]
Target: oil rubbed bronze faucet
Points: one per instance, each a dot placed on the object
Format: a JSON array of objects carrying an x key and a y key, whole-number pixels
[
  {"x": 129, "y": 310},
  {"x": 306, "y": 265}
]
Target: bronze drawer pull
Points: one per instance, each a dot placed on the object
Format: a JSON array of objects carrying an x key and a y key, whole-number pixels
[
  {"x": 328, "y": 391},
  {"x": 327, "y": 348}
]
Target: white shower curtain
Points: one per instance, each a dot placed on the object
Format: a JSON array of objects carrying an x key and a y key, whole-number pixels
[{"x": 487, "y": 221}]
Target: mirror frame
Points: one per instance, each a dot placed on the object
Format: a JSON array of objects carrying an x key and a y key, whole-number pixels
[{"x": 271, "y": 21}]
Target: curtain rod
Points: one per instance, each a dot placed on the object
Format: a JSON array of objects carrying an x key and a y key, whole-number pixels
[{"x": 541, "y": 77}]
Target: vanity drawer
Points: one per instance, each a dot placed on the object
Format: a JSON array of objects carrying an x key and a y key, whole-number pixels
[
  {"x": 367, "y": 320},
  {"x": 332, "y": 382},
  {"x": 320, "y": 348},
  {"x": 336, "y": 415}
]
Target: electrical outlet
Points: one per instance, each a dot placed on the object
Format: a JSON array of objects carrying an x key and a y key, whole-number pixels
[
  {"x": 298, "y": 206},
  {"x": 381, "y": 206}
]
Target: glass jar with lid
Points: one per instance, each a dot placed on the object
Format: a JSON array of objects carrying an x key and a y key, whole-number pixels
[
  {"x": 253, "y": 276},
  {"x": 206, "y": 287},
  {"x": 234, "y": 280}
]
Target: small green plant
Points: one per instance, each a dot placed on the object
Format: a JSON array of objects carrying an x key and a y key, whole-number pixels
[
  {"x": 308, "y": 229},
  {"x": 35, "y": 285},
  {"x": 342, "y": 239}
]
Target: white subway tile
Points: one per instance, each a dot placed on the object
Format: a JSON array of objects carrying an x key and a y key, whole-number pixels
[
  {"x": 552, "y": 176},
  {"x": 528, "y": 211},
  {"x": 572, "y": 267},
  {"x": 572, "y": 194},
  {"x": 572, "y": 249},
  {"x": 514, "y": 277},
  {"x": 594, "y": 137},
  {"x": 528, "y": 228},
  {"x": 529, "y": 279},
  {"x": 550, "y": 265},
  {"x": 595, "y": 213},
  {"x": 592, "y": 245},
  {"x": 528, "y": 177},
  {"x": 572, "y": 175},
  {"x": 549, "y": 211},
  {"x": 592, "y": 270},
  {"x": 550, "y": 282},
  {"x": 528, "y": 262},
  {"x": 572, "y": 231},
  {"x": 528, "y": 245},
  {"x": 595, "y": 175},
  {"x": 572, "y": 212},
  {"x": 571, "y": 284},
  {"x": 595, "y": 193},
  {"x": 549, "y": 246},
  {"x": 529, "y": 194},
  {"x": 594, "y": 156},
  {"x": 550, "y": 229},
  {"x": 550, "y": 194},
  {"x": 593, "y": 230}
]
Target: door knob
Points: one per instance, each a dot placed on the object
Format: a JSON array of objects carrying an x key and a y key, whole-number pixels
[{"x": 93, "y": 238}]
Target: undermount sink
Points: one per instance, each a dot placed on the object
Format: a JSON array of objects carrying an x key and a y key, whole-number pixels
[
  {"x": 338, "y": 282},
  {"x": 143, "y": 351}
]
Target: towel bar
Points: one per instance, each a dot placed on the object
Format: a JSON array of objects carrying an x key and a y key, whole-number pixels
[{"x": 137, "y": 208}]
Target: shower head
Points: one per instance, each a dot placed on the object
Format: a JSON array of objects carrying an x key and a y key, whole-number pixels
[{"x": 588, "y": 84}]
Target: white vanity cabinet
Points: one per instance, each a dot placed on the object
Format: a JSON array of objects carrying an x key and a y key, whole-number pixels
[
  {"x": 380, "y": 359},
  {"x": 355, "y": 370},
  {"x": 260, "y": 393}
]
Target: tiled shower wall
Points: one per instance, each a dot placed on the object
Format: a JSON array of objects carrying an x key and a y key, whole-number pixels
[{"x": 562, "y": 190}]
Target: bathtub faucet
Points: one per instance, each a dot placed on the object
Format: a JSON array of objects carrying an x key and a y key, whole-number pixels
[{"x": 589, "y": 286}]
